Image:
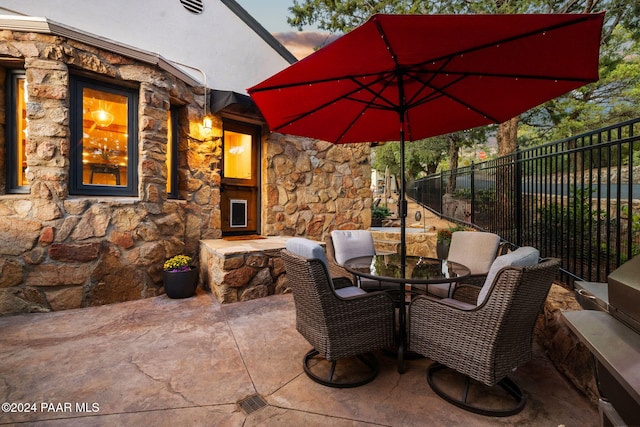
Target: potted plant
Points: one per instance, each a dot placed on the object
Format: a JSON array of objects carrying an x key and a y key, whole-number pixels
[
  {"x": 443, "y": 240},
  {"x": 180, "y": 277},
  {"x": 378, "y": 213}
]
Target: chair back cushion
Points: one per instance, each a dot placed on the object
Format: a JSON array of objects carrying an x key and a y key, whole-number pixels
[
  {"x": 307, "y": 248},
  {"x": 521, "y": 257},
  {"x": 349, "y": 244},
  {"x": 474, "y": 249}
]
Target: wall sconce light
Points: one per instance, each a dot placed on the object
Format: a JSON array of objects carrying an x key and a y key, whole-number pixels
[
  {"x": 207, "y": 123},
  {"x": 102, "y": 118}
]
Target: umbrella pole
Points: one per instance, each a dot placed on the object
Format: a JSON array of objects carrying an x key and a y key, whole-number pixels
[
  {"x": 402, "y": 202},
  {"x": 402, "y": 208},
  {"x": 402, "y": 212}
]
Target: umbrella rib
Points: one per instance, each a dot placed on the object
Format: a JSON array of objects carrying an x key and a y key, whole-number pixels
[
  {"x": 393, "y": 55},
  {"x": 369, "y": 104},
  {"x": 508, "y": 75},
  {"x": 308, "y": 82},
  {"x": 507, "y": 40},
  {"x": 441, "y": 92},
  {"x": 345, "y": 96},
  {"x": 388, "y": 105}
]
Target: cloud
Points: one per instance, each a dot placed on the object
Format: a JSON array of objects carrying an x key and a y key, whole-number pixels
[{"x": 303, "y": 43}]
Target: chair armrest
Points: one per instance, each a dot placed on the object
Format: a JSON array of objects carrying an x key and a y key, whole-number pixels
[
  {"x": 457, "y": 304},
  {"x": 341, "y": 282},
  {"x": 382, "y": 297},
  {"x": 467, "y": 293},
  {"x": 444, "y": 314}
]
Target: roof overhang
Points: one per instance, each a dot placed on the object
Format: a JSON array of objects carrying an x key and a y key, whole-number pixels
[
  {"x": 231, "y": 103},
  {"x": 41, "y": 25}
]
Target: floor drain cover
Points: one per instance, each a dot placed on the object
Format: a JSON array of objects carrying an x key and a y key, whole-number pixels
[{"x": 252, "y": 404}]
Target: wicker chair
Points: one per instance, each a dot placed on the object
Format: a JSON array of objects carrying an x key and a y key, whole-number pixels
[
  {"x": 338, "y": 328},
  {"x": 345, "y": 244},
  {"x": 485, "y": 341},
  {"x": 473, "y": 249}
]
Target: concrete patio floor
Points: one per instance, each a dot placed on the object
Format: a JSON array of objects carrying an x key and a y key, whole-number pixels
[{"x": 190, "y": 362}]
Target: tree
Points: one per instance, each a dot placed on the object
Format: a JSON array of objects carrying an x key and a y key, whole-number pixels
[
  {"x": 420, "y": 156},
  {"x": 623, "y": 16},
  {"x": 613, "y": 99}
]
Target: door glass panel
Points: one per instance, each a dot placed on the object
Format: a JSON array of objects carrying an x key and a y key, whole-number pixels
[
  {"x": 104, "y": 138},
  {"x": 21, "y": 128},
  {"x": 237, "y": 155}
]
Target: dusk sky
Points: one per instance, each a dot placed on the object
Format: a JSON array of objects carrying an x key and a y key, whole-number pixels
[{"x": 273, "y": 16}]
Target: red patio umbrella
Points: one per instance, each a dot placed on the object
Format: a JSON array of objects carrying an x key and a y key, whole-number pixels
[{"x": 408, "y": 77}]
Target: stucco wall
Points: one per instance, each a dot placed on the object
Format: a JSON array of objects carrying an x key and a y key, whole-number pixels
[{"x": 233, "y": 56}]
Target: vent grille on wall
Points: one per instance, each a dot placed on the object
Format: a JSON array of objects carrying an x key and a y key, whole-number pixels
[{"x": 193, "y": 6}]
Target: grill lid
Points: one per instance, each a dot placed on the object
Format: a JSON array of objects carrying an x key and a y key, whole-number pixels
[{"x": 624, "y": 293}]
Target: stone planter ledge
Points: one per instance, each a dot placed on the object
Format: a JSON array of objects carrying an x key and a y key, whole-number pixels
[{"x": 243, "y": 270}]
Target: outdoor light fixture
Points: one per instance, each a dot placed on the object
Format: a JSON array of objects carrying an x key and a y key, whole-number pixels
[{"x": 206, "y": 123}]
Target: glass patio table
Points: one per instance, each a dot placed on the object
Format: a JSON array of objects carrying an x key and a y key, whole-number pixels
[{"x": 418, "y": 271}]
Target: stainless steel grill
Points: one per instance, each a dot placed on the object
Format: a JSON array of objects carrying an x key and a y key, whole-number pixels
[{"x": 610, "y": 328}]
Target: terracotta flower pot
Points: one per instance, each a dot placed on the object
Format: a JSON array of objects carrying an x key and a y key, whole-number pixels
[{"x": 180, "y": 284}]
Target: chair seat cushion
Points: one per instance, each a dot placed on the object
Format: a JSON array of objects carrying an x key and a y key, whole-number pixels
[
  {"x": 349, "y": 291},
  {"x": 441, "y": 290},
  {"x": 521, "y": 257}
]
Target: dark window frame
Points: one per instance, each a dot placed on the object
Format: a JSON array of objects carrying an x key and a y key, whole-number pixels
[
  {"x": 76, "y": 186},
  {"x": 11, "y": 137},
  {"x": 173, "y": 173}
]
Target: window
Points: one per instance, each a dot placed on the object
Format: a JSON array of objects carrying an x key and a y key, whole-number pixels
[
  {"x": 172, "y": 153},
  {"x": 237, "y": 155},
  {"x": 104, "y": 139},
  {"x": 16, "y": 133},
  {"x": 240, "y": 183}
]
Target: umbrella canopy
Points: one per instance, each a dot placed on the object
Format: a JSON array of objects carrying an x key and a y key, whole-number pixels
[
  {"x": 441, "y": 73},
  {"x": 400, "y": 77}
]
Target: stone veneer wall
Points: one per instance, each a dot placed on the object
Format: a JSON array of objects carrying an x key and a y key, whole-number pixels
[
  {"x": 59, "y": 251},
  {"x": 313, "y": 187}
]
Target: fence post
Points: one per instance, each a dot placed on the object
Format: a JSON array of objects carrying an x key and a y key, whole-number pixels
[
  {"x": 441, "y": 192},
  {"x": 473, "y": 193},
  {"x": 517, "y": 187}
]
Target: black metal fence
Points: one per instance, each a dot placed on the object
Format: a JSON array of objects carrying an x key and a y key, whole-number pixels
[{"x": 577, "y": 199}]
